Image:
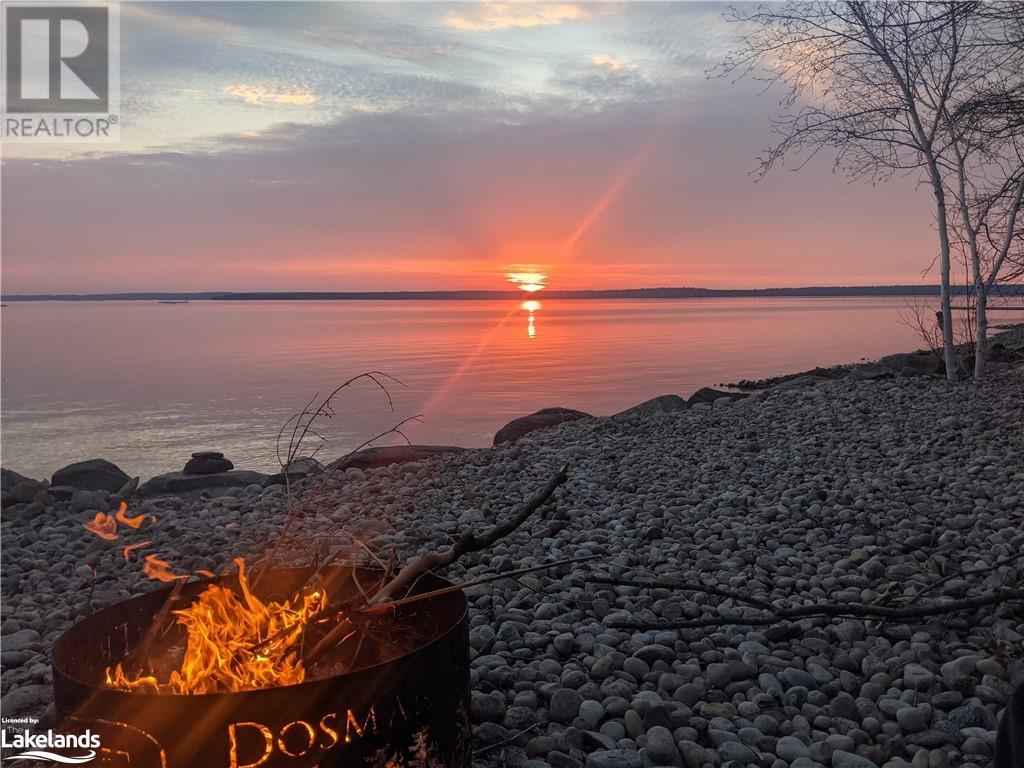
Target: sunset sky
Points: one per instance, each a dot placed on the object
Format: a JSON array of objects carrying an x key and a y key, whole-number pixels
[{"x": 323, "y": 146}]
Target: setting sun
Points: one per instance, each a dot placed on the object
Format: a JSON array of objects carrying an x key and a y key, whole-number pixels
[{"x": 528, "y": 281}]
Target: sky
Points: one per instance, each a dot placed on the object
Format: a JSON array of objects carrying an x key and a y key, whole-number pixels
[{"x": 423, "y": 146}]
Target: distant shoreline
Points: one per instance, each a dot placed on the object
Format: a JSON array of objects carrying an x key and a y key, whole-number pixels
[{"x": 623, "y": 293}]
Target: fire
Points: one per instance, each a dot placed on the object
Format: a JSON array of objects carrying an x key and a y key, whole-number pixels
[
  {"x": 131, "y": 522},
  {"x": 128, "y": 549},
  {"x": 235, "y": 642},
  {"x": 160, "y": 570},
  {"x": 103, "y": 525}
]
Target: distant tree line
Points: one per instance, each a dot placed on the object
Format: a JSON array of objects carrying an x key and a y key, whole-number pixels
[{"x": 1000, "y": 289}]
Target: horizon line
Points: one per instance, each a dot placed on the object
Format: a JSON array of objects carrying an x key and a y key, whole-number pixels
[{"x": 893, "y": 289}]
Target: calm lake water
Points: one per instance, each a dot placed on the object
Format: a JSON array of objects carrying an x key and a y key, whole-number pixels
[{"x": 144, "y": 384}]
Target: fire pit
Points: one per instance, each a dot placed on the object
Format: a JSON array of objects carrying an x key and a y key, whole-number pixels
[{"x": 374, "y": 703}]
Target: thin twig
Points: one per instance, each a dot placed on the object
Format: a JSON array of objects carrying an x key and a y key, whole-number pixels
[
  {"x": 663, "y": 583},
  {"x": 833, "y": 610}
]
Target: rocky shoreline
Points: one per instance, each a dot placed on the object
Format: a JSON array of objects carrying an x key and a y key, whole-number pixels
[{"x": 866, "y": 488}]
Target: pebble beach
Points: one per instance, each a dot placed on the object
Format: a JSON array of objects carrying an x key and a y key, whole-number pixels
[{"x": 890, "y": 491}]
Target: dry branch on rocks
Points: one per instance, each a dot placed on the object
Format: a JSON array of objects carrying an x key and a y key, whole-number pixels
[
  {"x": 470, "y": 541},
  {"x": 774, "y": 614}
]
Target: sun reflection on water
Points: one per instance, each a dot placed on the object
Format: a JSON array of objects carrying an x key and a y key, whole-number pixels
[{"x": 531, "y": 324}]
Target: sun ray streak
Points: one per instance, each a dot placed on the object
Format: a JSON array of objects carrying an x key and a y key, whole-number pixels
[
  {"x": 450, "y": 383},
  {"x": 610, "y": 194}
]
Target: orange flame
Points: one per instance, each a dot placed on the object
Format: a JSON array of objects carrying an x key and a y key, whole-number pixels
[
  {"x": 160, "y": 570},
  {"x": 235, "y": 642},
  {"x": 127, "y": 550},
  {"x": 131, "y": 522},
  {"x": 102, "y": 525}
]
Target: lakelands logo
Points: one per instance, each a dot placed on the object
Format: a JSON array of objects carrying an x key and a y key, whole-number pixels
[
  {"x": 61, "y": 75},
  {"x": 40, "y": 746}
]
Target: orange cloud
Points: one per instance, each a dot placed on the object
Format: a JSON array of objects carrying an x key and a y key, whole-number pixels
[
  {"x": 489, "y": 16},
  {"x": 259, "y": 95},
  {"x": 612, "y": 64}
]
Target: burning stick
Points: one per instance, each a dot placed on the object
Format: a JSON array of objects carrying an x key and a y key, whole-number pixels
[{"x": 469, "y": 542}]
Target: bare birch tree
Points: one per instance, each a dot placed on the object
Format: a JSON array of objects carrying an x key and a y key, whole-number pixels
[
  {"x": 985, "y": 163},
  {"x": 883, "y": 85}
]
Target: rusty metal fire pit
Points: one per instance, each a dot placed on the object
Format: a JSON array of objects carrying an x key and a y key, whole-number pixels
[{"x": 408, "y": 710}]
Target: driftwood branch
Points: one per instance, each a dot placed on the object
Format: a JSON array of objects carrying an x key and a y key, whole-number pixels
[
  {"x": 411, "y": 572},
  {"x": 468, "y": 542},
  {"x": 834, "y": 610}
]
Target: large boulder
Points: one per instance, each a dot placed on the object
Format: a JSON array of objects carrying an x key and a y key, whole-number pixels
[
  {"x": 178, "y": 483},
  {"x": 91, "y": 475},
  {"x": 660, "y": 404},
  {"x": 207, "y": 463},
  {"x": 9, "y": 478},
  {"x": 18, "y": 489},
  {"x": 545, "y": 417},
  {"x": 923, "y": 363},
  {"x": 709, "y": 395},
  {"x": 368, "y": 458}
]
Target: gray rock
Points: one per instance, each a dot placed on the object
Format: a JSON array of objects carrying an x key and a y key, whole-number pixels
[
  {"x": 542, "y": 419},
  {"x": 565, "y": 705},
  {"x": 734, "y": 750},
  {"x": 652, "y": 653},
  {"x": 720, "y": 675},
  {"x": 176, "y": 483},
  {"x": 594, "y": 740},
  {"x": 913, "y": 719},
  {"x": 789, "y": 748},
  {"x": 519, "y": 718},
  {"x": 564, "y": 644},
  {"x": 539, "y": 745},
  {"x": 26, "y": 491},
  {"x": 9, "y": 478},
  {"x": 707, "y": 395},
  {"x": 912, "y": 364},
  {"x": 661, "y": 404},
  {"x": 487, "y": 707},
  {"x": 91, "y": 475},
  {"x": 25, "y": 698},
  {"x": 661, "y": 746},
  {"x": 694, "y": 755},
  {"x": 850, "y": 631},
  {"x": 917, "y": 678},
  {"x": 207, "y": 463},
  {"x": 869, "y": 372},
  {"x": 83, "y": 501},
  {"x": 22, "y": 640},
  {"x": 385, "y": 455},
  {"x": 792, "y": 677},
  {"x": 591, "y": 712},
  {"x": 842, "y": 759}
]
